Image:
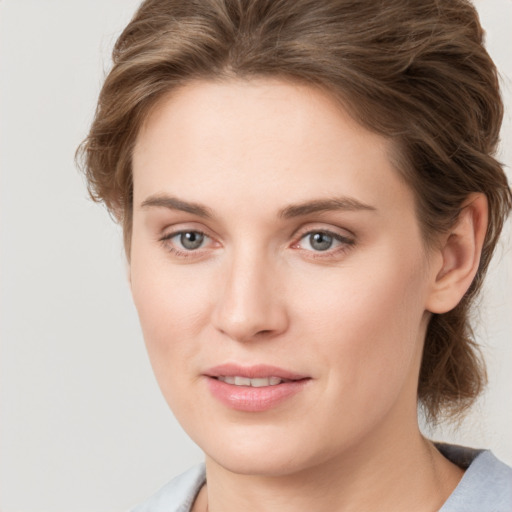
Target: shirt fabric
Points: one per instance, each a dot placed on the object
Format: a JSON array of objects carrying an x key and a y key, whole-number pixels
[{"x": 485, "y": 487}]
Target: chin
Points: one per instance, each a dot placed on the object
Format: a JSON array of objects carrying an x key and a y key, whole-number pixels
[
  {"x": 260, "y": 453},
  {"x": 264, "y": 465}
]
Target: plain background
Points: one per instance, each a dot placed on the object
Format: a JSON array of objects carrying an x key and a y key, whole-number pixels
[{"x": 83, "y": 425}]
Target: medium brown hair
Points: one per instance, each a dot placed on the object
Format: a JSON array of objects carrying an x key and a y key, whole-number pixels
[{"x": 414, "y": 71}]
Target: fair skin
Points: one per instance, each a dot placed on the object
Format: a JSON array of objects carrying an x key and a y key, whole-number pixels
[{"x": 339, "y": 296}]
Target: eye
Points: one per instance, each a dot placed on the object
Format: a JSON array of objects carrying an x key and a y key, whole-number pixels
[
  {"x": 190, "y": 240},
  {"x": 184, "y": 241},
  {"x": 319, "y": 241},
  {"x": 323, "y": 241}
]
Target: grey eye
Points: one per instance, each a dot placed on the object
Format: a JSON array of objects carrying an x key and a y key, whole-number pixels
[
  {"x": 191, "y": 240},
  {"x": 320, "y": 241}
]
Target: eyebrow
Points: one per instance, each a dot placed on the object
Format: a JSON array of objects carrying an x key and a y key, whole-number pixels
[
  {"x": 173, "y": 203},
  {"x": 290, "y": 211},
  {"x": 324, "y": 205}
]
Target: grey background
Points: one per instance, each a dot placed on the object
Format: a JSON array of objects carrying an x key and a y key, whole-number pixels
[{"x": 83, "y": 425}]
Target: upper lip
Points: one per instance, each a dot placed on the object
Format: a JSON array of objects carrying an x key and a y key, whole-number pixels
[{"x": 259, "y": 371}]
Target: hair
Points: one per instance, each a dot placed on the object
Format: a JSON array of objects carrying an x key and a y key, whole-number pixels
[{"x": 414, "y": 71}]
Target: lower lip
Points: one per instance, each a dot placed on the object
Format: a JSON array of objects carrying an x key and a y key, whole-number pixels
[{"x": 252, "y": 399}]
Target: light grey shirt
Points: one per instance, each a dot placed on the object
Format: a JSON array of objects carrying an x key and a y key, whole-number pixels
[{"x": 485, "y": 487}]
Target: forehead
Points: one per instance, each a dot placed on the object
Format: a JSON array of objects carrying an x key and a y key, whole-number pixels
[{"x": 261, "y": 139}]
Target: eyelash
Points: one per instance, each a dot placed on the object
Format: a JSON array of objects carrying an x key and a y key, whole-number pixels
[
  {"x": 177, "y": 252},
  {"x": 346, "y": 244}
]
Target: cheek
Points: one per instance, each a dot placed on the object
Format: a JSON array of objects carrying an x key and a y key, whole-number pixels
[
  {"x": 366, "y": 321},
  {"x": 171, "y": 304}
]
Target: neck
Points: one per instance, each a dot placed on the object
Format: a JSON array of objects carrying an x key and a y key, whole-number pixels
[{"x": 408, "y": 474}]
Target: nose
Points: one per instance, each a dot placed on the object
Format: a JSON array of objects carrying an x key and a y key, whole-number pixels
[{"x": 250, "y": 304}]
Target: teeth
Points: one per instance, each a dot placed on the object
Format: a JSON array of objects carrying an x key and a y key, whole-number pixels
[
  {"x": 242, "y": 381},
  {"x": 255, "y": 383},
  {"x": 258, "y": 383}
]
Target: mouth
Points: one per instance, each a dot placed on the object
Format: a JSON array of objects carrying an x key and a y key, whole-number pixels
[
  {"x": 238, "y": 380},
  {"x": 254, "y": 388},
  {"x": 245, "y": 375}
]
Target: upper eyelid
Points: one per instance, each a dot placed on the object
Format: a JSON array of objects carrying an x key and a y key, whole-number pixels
[
  {"x": 172, "y": 234},
  {"x": 335, "y": 231},
  {"x": 171, "y": 231},
  {"x": 342, "y": 239}
]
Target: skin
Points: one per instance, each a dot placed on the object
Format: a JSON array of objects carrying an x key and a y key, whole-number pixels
[{"x": 257, "y": 291}]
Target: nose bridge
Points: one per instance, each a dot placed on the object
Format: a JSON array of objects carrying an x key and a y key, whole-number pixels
[{"x": 249, "y": 303}]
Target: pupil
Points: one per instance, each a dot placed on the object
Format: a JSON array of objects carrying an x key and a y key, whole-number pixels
[
  {"x": 320, "y": 241},
  {"x": 191, "y": 240}
]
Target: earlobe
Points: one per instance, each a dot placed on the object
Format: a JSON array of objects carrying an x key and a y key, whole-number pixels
[{"x": 460, "y": 256}]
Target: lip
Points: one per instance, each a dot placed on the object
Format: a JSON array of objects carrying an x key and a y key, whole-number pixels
[
  {"x": 254, "y": 399},
  {"x": 259, "y": 371}
]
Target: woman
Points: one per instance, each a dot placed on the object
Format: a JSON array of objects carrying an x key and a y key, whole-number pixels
[{"x": 310, "y": 202}]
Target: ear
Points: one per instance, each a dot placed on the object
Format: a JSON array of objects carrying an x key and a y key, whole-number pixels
[{"x": 458, "y": 257}]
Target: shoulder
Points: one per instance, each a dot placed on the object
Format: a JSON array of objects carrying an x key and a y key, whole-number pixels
[
  {"x": 486, "y": 485},
  {"x": 178, "y": 495}
]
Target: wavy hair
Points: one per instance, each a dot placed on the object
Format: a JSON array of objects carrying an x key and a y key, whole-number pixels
[{"x": 414, "y": 71}]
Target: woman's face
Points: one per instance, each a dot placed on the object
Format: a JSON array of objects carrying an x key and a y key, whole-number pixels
[{"x": 279, "y": 274}]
